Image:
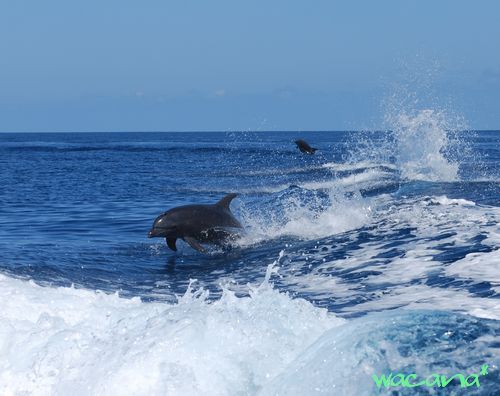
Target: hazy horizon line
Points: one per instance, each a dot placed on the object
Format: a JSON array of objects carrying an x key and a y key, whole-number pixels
[{"x": 246, "y": 131}]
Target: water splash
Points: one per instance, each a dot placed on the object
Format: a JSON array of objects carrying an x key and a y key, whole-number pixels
[
  {"x": 421, "y": 143},
  {"x": 305, "y": 214}
]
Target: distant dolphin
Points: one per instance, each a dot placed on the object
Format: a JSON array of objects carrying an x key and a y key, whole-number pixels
[
  {"x": 304, "y": 147},
  {"x": 197, "y": 224}
]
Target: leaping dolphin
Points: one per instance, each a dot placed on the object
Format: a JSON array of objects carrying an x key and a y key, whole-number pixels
[
  {"x": 304, "y": 147},
  {"x": 197, "y": 224}
]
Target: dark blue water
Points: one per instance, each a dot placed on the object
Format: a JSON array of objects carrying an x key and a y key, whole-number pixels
[
  {"x": 365, "y": 225},
  {"x": 76, "y": 208}
]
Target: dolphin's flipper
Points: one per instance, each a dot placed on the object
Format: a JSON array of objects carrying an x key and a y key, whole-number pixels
[
  {"x": 194, "y": 244},
  {"x": 171, "y": 243},
  {"x": 226, "y": 201}
]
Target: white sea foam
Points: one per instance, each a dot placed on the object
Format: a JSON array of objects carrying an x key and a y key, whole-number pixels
[
  {"x": 483, "y": 267},
  {"x": 426, "y": 297},
  {"x": 400, "y": 281},
  {"x": 60, "y": 341}
]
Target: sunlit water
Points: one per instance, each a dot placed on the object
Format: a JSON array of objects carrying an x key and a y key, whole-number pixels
[{"x": 381, "y": 253}]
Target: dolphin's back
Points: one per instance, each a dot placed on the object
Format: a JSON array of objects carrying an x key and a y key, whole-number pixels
[{"x": 205, "y": 216}]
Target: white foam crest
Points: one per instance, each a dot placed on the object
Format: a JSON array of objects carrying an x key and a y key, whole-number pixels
[
  {"x": 312, "y": 220},
  {"x": 60, "y": 341},
  {"x": 358, "y": 180},
  {"x": 306, "y": 221},
  {"x": 420, "y": 139},
  {"x": 370, "y": 177},
  {"x": 281, "y": 171},
  {"x": 444, "y": 200},
  {"x": 339, "y": 166}
]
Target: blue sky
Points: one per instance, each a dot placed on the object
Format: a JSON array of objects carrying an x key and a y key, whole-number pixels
[{"x": 152, "y": 65}]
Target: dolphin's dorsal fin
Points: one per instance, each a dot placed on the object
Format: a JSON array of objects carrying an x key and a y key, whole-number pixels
[{"x": 226, "y": 201}]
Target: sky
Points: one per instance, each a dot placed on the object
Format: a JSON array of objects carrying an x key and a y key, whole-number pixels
[{"x": 230, "y": 65}]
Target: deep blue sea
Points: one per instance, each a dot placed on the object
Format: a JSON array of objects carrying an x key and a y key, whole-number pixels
[{"x": 378, "y": 254}]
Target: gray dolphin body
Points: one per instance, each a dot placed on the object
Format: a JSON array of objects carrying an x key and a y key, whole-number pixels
[
  {"x": 304, "y": 147},
  {"x": 197, "y": 224}
]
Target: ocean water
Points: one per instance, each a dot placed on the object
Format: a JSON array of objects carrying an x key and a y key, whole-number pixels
[{"x": 378, "y": 254}]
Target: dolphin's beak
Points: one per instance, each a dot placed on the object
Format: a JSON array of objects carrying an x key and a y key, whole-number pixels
[{"x": 159, "y": 232}]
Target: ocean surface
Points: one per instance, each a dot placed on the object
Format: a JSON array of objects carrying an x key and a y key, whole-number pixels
[{"x": 378, "y": 254}]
